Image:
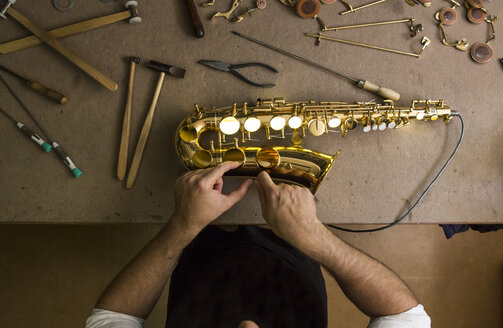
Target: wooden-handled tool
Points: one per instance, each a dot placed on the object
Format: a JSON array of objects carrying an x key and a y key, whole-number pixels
[
  {"x": 126, "y": 124},
  {"x": 64, "y": 31},
  {"x": 385, "y": 93},
  {"x": 362, "y": 84},
  {"x": 145, "y": 131},
  {"x": 197, "y": 25},
  {"x": 39, "y": 87},
  {"x": 59, "y": 47}
]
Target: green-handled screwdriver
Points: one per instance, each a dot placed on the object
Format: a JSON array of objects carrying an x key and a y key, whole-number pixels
[
  {"x": 39, "y": 87},
  {"x": 29, "y": 133}
]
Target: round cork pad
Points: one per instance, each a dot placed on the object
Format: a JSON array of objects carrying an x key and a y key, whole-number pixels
[
  {"x": 481, "y": 52},
  {"x": 308, "y": 8},
  {"x": 448, "y": 16},
  {"x": 476, "y": 3},
  {"x": 476, "y": 15}
]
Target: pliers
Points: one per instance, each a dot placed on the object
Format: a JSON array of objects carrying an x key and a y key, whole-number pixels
[{"x": 226, "y": 67}]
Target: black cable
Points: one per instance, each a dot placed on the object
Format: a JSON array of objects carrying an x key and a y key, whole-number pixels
[
  {"x": 400, "y": 219},
  {"x": 8, "y": 116},
  {"x": 25, "y": 109}
]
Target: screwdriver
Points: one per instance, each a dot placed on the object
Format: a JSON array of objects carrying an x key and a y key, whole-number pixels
[
  {"x": 39, "y": 87},
  {"x": 29, "y": 133},
  {"x": 362, "y": 84},
  {"x": 61, "y": 153}
]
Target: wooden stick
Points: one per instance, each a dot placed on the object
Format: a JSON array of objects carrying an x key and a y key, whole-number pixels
[
  {"x": 126, "y": 126},
  {"x": 140, "y": 147},
  {"x": 64, "y": 31},
  {"x": 59, "y": 47}
]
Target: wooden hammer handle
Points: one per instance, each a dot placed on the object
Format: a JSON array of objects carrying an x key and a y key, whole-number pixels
[
  {"x": 126, "y": 127},
  {"x": 145, "y": 131},
  {"x": 64, "y": 31},
  {"x": 59, "y": 47},
  {"x": 197, "y": 25}
]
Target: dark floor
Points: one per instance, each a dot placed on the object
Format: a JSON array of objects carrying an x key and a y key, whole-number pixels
[{"x": 50, "y": 276}]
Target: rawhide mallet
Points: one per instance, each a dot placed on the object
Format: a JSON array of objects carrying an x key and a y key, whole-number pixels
[{"x": 142, "y": 141}]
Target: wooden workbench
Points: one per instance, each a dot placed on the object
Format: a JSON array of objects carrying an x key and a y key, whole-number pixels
[{"x": 376, "y": 176}]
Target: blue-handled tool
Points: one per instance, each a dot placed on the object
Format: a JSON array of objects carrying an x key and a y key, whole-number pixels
[
  {"x": 226, "y": 67},
  {"x": 29, "y": 133}
]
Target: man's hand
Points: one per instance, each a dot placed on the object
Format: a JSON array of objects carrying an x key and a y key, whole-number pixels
[
  {"x": 372, "y": 287},
  {"x": 290, "y": 212},
  {"x": 199, "y": 198}
]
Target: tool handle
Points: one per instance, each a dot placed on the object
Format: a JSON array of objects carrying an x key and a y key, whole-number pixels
[
  {"x": 47, "y": 92},
  {"x": 67, "y": 160},
  {"x": 35, "y": 137},
  {"x": 197, "y": 25},
  {"x": 378, "y": 90},
  {"x": 145, "y": 131},
  {"x": 63, "y": 50},
  {"x": 126, "y": 127}
]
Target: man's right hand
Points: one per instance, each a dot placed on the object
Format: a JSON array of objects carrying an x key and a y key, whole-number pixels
[{"x": 291, "y": 213}]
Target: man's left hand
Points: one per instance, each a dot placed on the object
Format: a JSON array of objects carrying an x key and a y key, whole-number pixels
[{"x": 199, "y": 197}]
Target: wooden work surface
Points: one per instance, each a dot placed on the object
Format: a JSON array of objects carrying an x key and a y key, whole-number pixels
[{"x": 372, "y": 181}]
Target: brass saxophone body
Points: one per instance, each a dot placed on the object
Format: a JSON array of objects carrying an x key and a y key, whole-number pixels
[{"x": 209, "y": 136}]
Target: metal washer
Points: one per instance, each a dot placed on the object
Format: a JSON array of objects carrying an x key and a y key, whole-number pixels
[{"x": 56, "y": 5}]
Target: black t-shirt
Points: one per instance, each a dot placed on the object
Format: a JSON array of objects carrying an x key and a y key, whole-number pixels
[{"x": 223, "y": 278}]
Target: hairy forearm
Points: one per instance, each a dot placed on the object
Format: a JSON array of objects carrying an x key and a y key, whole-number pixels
[
  {"x": 138, "y": 286},
  {"x": 369, "y": 284}
]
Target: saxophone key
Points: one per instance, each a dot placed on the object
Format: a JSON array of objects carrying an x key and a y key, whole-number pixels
[
  {"x": 202, "y": 159},
  {"x": 268, "y": 158},
  {"x": 316, "y": 127}
]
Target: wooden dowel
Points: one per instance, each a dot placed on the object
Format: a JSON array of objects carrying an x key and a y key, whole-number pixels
[
  {"x": 59, "y": 47},
  {"x": 126, "y": 127},
  {"x": 142, "y": 141},
  {"x": 64, "y": 31}
]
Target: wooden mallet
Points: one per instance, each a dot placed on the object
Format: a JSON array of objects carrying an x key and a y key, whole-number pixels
[
  {"x": 126, "y": 124},
  {"x": 142, "y": 141},
  {"x": 57, "y": 45},
  {"x": 131, "y": 14}
]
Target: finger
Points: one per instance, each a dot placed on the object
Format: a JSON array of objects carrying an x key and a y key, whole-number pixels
[
  {"x": 261, "y": 194},
  {"x": 239, "y": 193},
  {"x": 260, "y": 190},
  {"x": 219, "y": 185},
  {"x": 265, "y": 181},
  {"x": 219, "y": 170}
]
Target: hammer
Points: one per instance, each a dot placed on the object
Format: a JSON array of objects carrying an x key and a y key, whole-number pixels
[
  {"x": 54, "y": 43},
  {"x": 142, "y": 141}
]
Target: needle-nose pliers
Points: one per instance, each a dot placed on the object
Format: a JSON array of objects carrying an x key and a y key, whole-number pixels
[{"x": 226, "y": 67}]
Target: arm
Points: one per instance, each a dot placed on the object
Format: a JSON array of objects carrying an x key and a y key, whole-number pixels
[
  {"x": 199, "y": 201},
  {"x": 371, "y": 286}
]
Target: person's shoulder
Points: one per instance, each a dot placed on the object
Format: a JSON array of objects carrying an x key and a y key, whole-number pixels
[
  {"x": 100, "y": 318},
  {"x": 413, "y": 318}
]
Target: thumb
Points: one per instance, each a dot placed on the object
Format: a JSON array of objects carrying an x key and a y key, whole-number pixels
[
  {"x": 265, "y": 181},
  {"x": 239, "y": 193}
]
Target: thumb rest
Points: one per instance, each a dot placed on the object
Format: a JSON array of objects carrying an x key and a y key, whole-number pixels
[{"x": 289, "y": 164}]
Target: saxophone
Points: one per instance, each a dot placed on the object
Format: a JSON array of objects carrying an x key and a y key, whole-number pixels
[{"x": 244, "y": 134}]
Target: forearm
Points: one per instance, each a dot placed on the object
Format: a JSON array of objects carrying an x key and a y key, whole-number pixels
[
  {"x": 370, "y": 285},
  {"x": 138, "y": 286}
]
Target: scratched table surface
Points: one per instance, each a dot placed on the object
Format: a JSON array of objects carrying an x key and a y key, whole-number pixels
[{"x": 377, "y": 175}]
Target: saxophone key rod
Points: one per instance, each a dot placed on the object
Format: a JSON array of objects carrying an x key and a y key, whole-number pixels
[{"x": 385, "y": 93}]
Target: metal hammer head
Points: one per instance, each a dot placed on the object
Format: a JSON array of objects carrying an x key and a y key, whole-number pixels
[
  {"x": 5, "y": 5},
  {"x": 135, "y": 60},
  {"x": 134, "y": 16},
  {"x": 171, "y": 70}
]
